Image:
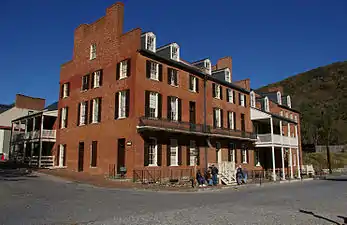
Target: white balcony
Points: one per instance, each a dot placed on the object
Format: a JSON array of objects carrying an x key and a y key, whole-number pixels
[
  {"x": 51, "y": 134},
  {"x": 265, "y": 140}
]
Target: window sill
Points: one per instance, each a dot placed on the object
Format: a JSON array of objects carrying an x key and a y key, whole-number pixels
[
  {"x": 94, "y": 122},
  {"x": 152, "y": 165},
  {"x": 96, "y": 87},
  {"x": 81, "y": 125},
  {"x": 174, "y": 165},
  {"x": 65, "y": 97},
  {"x": 217, "y": 98},
  {"x": 244, "y": 162},
  {"x": 93, "y": 167},
  {"x": 92, "y": 59},
  {"x": 154, "y": 79},
  {"x": 173, "y": 85},
  {"x": 122, "y": 78},
  {"x": 121, "y": 118},
  {"x": 192, "y": 91},
  {"x": 84, "y": 90}
]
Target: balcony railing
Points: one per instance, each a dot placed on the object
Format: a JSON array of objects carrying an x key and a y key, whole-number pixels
[
  {"x": 191, "y": 127},
  {"x": 277, "y": 139},
  {"x": 51, "y": 134},
  {"x": 46, "y": 134}
]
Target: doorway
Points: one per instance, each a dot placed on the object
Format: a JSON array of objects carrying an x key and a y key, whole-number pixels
[
  {"x": 121, "y": 155},
  {"x": 80, "y": 156},
  {"x": 192, "y": 115}
]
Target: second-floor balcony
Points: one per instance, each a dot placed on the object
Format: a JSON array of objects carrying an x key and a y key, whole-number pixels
[
  {"x": 276, "y": 139},
  {"x": 148, "y": 123},
  {"x": 34, "y": 135}
]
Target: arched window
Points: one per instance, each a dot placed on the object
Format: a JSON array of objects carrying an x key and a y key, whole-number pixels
[
  {"x": 266, "y": 104},
  {"x": 289, "y": 102},
  {"x": 279, "y": 98}
]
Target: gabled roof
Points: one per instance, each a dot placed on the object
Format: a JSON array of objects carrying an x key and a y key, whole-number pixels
[{"x": 51, "y": 107}]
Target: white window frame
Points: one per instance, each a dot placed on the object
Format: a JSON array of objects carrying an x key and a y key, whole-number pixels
[
  {"x": 232, "y": 125},
  {"x": 243, "y": 100},
  {"x": 289, "y": 101},
  {"x": 193, "y": 82},
  {"x": 92, "y": 51},
  {"x": 233, "y": 154},
  {"x": 174, "y": 113},
  {"x": 244, "y": 155},
  {"x": 123, "y": 69},
  {"x": 217, "y": 88},
  {"x": 173, "y": 152},
  {"x": 85, "y": 78},
  {"x": 150, "y": 46},
  {"x": 83, "y": 110},
  {"x": 172, "y": 74},
  {"x": 65, "y": 90},
  {"x": 208, "y": 66},
  {"x": 218, "y": 117},
  {"x": 96, "y": 110},
  {"x": 192, "y": 153},
  {"x": 252, "y": 95},
  {"x": 156, "y": 103},
  {"x": 63, "y": 120},
  {"x": 266, "y": 104},
  {"x": 227, "y": 76},
  {"x": 175, "y": 52},
  {"x": 155, "y": 153},
  {"x": 230, "y": 95},
  {"x": 257, "y": 152},
  {"x": 154, "y": 71},
  {"x": 122, "y": 99},
  {"x": 279, "y": 98},
  {"x": 61, "y": 156},
  {"x": 97, "y": 77}
]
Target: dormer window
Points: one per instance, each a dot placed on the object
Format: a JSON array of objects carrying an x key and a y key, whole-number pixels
[
  {"x": 279, "y": 98},
  {"x": 148, "y": 41},
  {"x": 289, "y": 102},
  {"x": 208, "y": 66},
  {"x": 175, "y": 52},
  {"x": 252, "y": 99},
  {"x": 227, "y": 76},
  {"x": 266, "y": 104},
  {"x": 92, "y": 51}
]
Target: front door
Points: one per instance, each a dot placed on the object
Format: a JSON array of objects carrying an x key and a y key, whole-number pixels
[
  {"x": 80, "y": 156},
  {"x": 121, "y": 154},
  {"x": 192, "y": 115}
]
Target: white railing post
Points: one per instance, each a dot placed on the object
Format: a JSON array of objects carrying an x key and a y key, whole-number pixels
[
  {"x": 41, "y": 130},
  {"x": 283, "y": 169},
  {"x": 291, "y": 163},
  {"x": 273, "y": 164}
]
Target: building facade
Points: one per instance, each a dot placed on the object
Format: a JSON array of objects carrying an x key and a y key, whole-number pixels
[{"x": 128, "y": 104}]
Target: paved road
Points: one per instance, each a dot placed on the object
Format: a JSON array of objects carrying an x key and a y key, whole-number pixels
[{"x": 47, "y": 200}]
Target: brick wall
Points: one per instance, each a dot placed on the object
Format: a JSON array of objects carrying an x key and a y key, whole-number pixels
[{"x": 27, "y": 102}]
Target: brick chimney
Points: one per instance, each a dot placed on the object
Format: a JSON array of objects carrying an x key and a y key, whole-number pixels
[
  {"x": 246, "y": 84},
  {"x": 225, "y": 62},
  {"x": 27, "y": 102}
]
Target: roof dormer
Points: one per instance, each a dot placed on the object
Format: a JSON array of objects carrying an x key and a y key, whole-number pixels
[
  {"x": 222, "y": 74},
  {"x": 266, "y": 104},
  {"x": 148, "y": 41},
  {"x": 171, "y": 51},
  {"x": 204, "y": 64},
  {"x": 279, "y": 98},
  {"x": 289, "y": 101}
]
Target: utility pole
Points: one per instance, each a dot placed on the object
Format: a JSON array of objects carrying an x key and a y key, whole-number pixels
[{"x": 326, "y": 132}]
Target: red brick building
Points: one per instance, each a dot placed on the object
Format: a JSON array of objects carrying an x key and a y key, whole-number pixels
[{"x": 128, "y": 103}]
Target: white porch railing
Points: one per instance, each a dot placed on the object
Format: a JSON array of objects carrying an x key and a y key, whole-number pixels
[
  {"x": 49, "y": 134},
  {"x": 264, "y": 139},
  {"x": 226, "y": 171},
  {"x": 46, "y": 161}
]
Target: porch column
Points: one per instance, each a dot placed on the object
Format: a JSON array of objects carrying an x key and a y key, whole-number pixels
[
  {"x": 298, "y": 153},
  {"x": 272, "y": 129},
  {"x": 32, "y": 143},
  {"x": 283, "y": 169},
  {"x": 288, "y": 130},
  {"x": 291, "y": 163},
  {"x": 273, "y": 163},
  {"x": 40, "y": 152},
  {"x": 25, "y": 132},
  {"x": 11, "y": 141}
]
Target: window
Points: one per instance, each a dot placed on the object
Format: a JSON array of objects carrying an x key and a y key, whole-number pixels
[
  {"x": 266, "y": 104},
  {"x": 193, "y": 153},
  {"x": 242, "y": 100},
  {"x": 227, "y": 76},
  {"x": 85, "y": 82},
  {"x": 63, "y": 117},
  {"x": 173, "y": 152},
  {"x": 62, "y": 155},
  {"x": 123, "y": 73},
  {"x": 153, "y": 104},
  {"x": 217, "y": 120},
  {"x": 217, "y": 89},
  {"x": 96, "y": 79},
  {"x": 173, "y": 108},
  {"x": 92, "y": 51},
  {"x": 243, "y": 125},
  {"x": 208, "y": 66},
  {"x": 152, "y": 152},
  {"x": 154, "y": 71},
  {"x": 150, "y": 42},
  {"x": 287, "y": 115},
  {"x": 256, "y": 157},
  {"x": 231, "y": 152},
  {"x": 93, "y": 154},
  {"x": 83, "y": 109},
  {"x": 193, "y": 83},
  {"x": 172, "y": 77},
  {"x": 66, "y": 90},
  {"x": 244, "y": 155},
  {"x": 281, "y": 113},
  {"x": 279, "y": 98},
  {"x": 122, "y": 104},
  {"x": 175, "y": 52},
  {"x": 295, "y": 118},
  {"x": 231, "y": 120},
  {"x": 289, "y": 102},
  {"x": 253, "y": 104},
  {"x": 96, "y": 110},
  {"x": 230, "y": 95}
]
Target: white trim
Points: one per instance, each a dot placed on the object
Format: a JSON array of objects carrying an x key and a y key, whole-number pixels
[
  {"x": 192, "y": 153},
  {"x": 122, "y": 99},
  {"x": 147, "y": 36},
  {"x": 123, "y": 69},
  {"x": 218, "y": 117},
  {"x": 97, "y": 77},
  {"x": 63, "y": 117},
  {"x": 231, "y": 116},
  {"x": 227, "y": 75},
  {"x": 173, "y": 152},
  {"x": 177, "y": 56},
  {"x": 92, "y": 54},
  {"x": 156, "y": 95},
  {"x": 61, "y": 155},
  {"x": 65, "y": 90},
  {"x": 244, "y": 156},
  {"x": 95, "y": 110},
  {"x": 279, "y": 98},
  {"x": 83, "y": 108},
  {"x": 155, "y": 159},
  {"x": 174, "y": 113},
  {"x": 289, "y": 101},
  {"x": 243, "y": 100},
  {"x": 154, "y": 73},
  {"x": 266, "y": 104},
  {"x": 217, "y": 91},
  {"x": 193, "y": 82},
  {"x": 252, "y": 95}
]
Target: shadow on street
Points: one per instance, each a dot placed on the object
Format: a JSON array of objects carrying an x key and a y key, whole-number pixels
[
  {"x": 15, "y": 172},
  {"x": 322, "y": 217}
]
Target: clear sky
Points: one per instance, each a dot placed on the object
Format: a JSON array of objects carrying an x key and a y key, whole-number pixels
[{"x": 269, "y": 40}]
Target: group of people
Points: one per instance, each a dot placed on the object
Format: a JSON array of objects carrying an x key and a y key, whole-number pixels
[{"x": 210, "y": 177}]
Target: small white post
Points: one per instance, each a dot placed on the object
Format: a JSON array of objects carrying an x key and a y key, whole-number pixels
[
  {"x": 273, "y": 164},
  {"x": 40, "y": 152},
  {"x": 283, "y": 169},
  {"x": 291, "y": 163}
]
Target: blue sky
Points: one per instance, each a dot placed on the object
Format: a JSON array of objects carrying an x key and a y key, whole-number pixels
[{"x": 269, "y": 40}]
